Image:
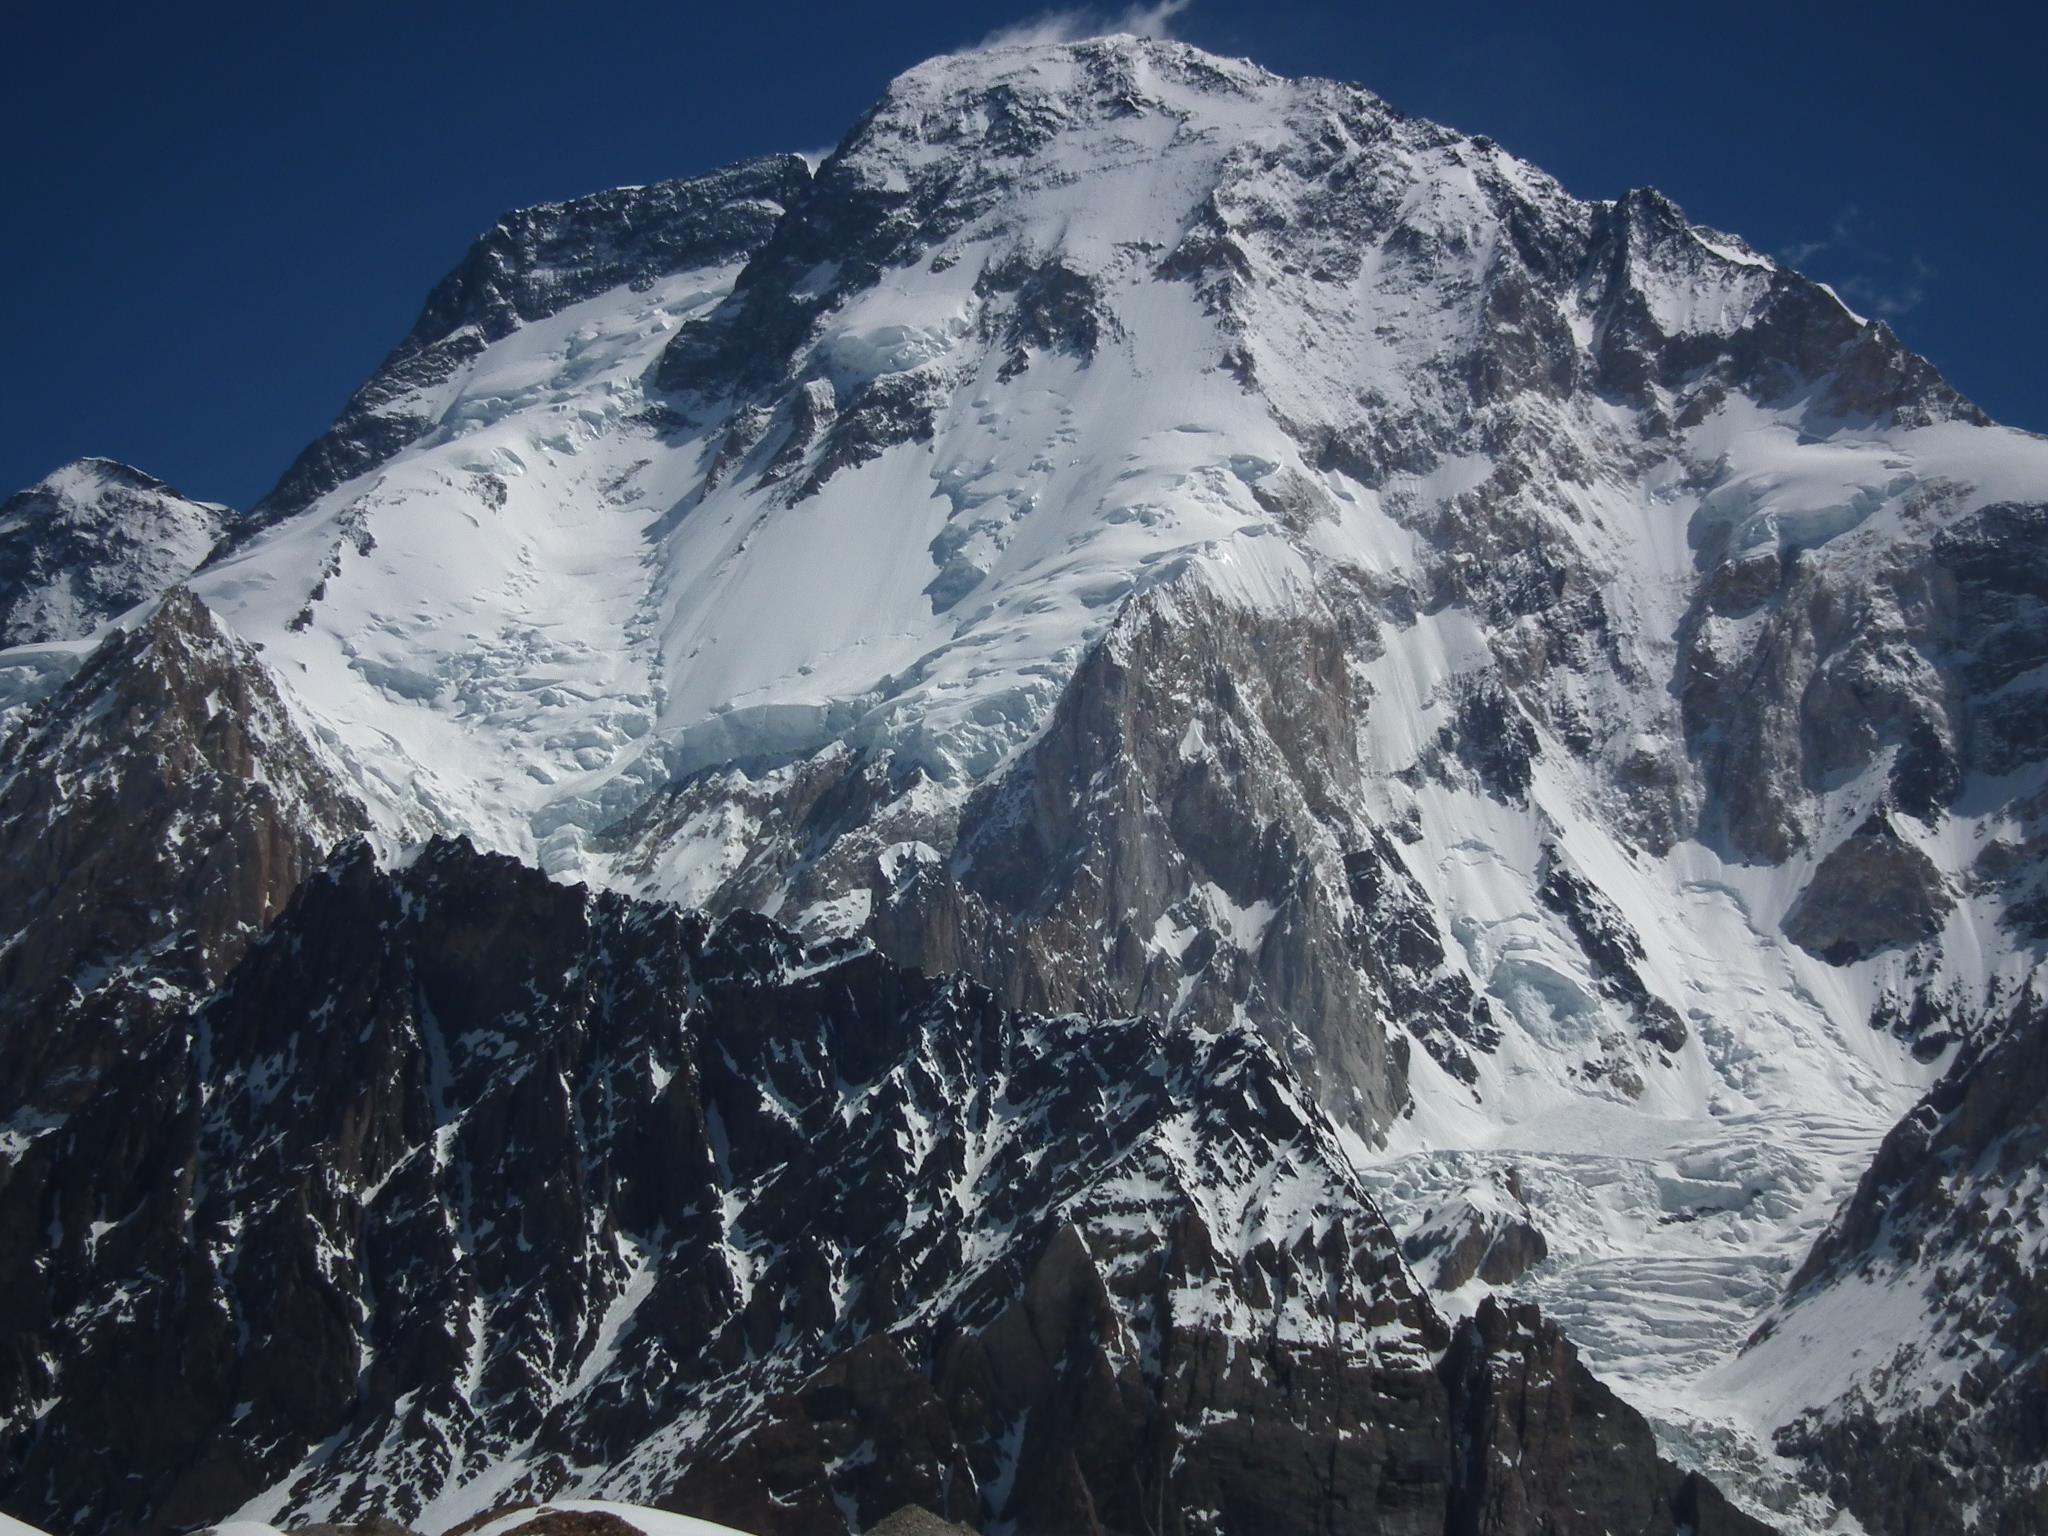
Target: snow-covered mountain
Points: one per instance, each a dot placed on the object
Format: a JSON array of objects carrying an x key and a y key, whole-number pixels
[
  {"x": 90, "y": 541},
  {"x": 1165, "y": 541}
]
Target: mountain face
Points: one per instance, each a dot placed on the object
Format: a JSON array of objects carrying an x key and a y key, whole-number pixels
[
  {"x": 154, "y": 817},
  {"x": 1240, "y": 691},
  {"x": 534, "y": 263},
  {"x": 91, "y": 541}
]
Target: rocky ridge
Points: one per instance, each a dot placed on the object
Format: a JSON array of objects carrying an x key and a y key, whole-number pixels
[
  {"x": 575, "y": 1194},
  {"x": 155, "y": 815},
  {"x": 532, "y": 264}
]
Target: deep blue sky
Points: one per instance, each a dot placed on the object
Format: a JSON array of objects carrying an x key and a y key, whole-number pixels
[{"x": 218, "y": 219}]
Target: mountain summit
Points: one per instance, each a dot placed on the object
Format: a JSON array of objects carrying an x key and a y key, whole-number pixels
[
  {"x": 1269, "y": 593},
  {"x": 90, "y": 541}
]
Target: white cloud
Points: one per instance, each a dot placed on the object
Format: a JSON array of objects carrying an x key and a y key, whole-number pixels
[
  {"x": 1875, "y": 280},
  {"x": 1890, "y": 293},
  {"x": 1071, "y": 26}
]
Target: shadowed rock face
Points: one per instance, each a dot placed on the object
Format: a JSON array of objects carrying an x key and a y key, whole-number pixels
[
  {"x": 1485, "y": 1232},
  {"x": 461, "y": 1166},
  {"x": 1917, "y": 658},
  {"x": 913, "y": 1521},
  {"x": 1542, "y": 1446},
  {"x": 155, "y": 814},
  {"x": 462, "y": 1169},
  {"x": 573, "y": 1522},
  {"x": 1612, "y": 946},
  {"x": 1873, "y": 891}
]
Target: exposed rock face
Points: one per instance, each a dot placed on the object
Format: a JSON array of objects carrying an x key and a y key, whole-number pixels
[
  {"x": 1544, "y": 1447},
  {"x": 551, "y": 1172},
  {"x": 91, "y": 541},
  {"x": 533, "y": 263},
  {"x": 464, "y": 1170},
  {"x": 1873, "y": 891},
  {"x": 913, "y": 1521},
  {"x": 572, "y": 1522},
  {"x": 1814, "y": 656},
  {"x": 1613, "y": 947},
  {"x": 1941, "y": 1422},
  {"x": 154, "y": 816},
  {"x": 1178, "y": 835},
  {"x": 1185, "y": 839}
]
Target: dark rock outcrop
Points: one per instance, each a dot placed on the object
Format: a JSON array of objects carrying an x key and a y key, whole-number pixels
[
  {"x": 1397, "y": 934},
  {"x": 1613, "y": 947},
  {"x": 155, "y": 814},
  {"x": 1873, "y": 891},
  {"x": 463, "y": 1169},
  {"x": 911, "y": 1520},
  {"x": 1543, "y": 1447},
  {"x": 1486, "y": 1232},
  {"x": 460, "y": 1165}
]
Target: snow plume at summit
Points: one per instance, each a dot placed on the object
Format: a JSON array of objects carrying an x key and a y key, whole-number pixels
[{"x": 1080, "y": 23}]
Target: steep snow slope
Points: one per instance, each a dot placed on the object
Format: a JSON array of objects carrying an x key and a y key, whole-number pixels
[
  {"x": 1149, "y": 531},
  {"x": 577, "y": 606}
]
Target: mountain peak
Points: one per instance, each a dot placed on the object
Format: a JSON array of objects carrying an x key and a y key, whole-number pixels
[
  {"x": 1161, "y": 616},
  {"x": 91, "y": 471},
  {"x": 530, "y": 265},
  {"x": 1112, "y": 50},
  {"x": 1012, "y": 98},
  {"x": 91, "y": 539}
]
